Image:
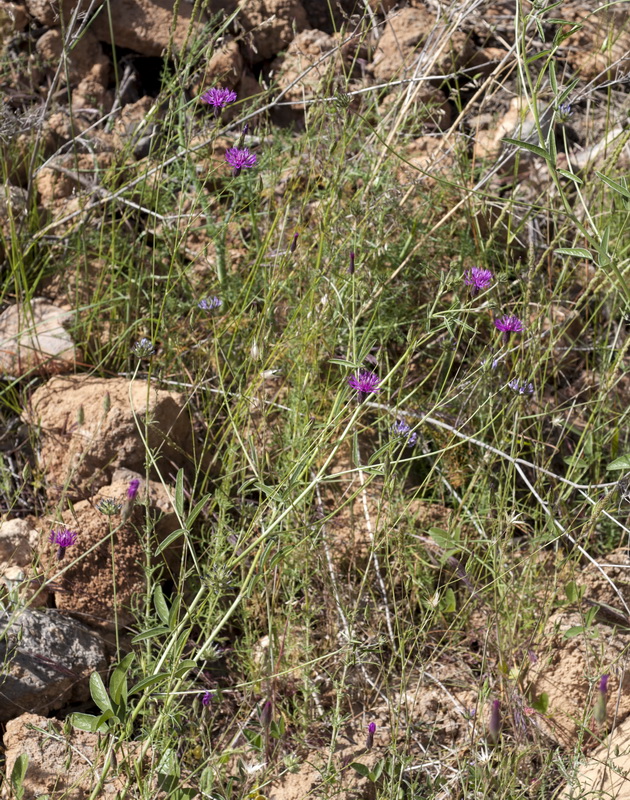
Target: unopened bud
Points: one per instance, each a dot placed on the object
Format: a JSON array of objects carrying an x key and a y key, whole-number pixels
[
  {"x": 370, "y": 737},
  {"x": 494, "y": 726}
]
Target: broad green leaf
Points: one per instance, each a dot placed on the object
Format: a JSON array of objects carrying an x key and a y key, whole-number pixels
[
  {"x": 360, "y": 768},
  {"x": 160, "y": 604},
  {"x": 533, "y": 148},
  {"x": 623, "y": 462},
  {"x": 572, "y": 592},
  {"x": 578, "y": 252},
  {"x": 17, "y": 775},
  {"x": 118, "y": 680},
  {"x": 571, "y": 633},
  {"x": 87, "y": 722},
  {"x": 104, "y": 718},
  {"x": 152, "y": 680},
  {"x": 541, "y": 703},
  {"x": 99, "y": 692},
  {"x": 449, "y": 603},
  {"x": 617, "y": 187}
]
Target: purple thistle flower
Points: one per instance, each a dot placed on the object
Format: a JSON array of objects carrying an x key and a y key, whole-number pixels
[
  {"x": 239, "y": 158},
  {"x": 478, "y": 279},
  {"x": 521, "y": 388},
  {"x": 208, "y": 303},
  {"x": 132, "y": 489},
  {"x": 494, "y": 726},
  {"x": 219, "y": 98},
  {"x": 370, "y": 737},
  {"x": 63, "y": 537},
  {"x": 508, "y": 325},
  {"x": 400, "y": 428},
  {"x": 207, "y": 697},
  {"x": 365, "y": 382},
  {"x": 293, "y": 243}
]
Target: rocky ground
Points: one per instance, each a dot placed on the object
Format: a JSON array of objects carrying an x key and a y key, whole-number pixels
[{"x": 81, "y": 82}]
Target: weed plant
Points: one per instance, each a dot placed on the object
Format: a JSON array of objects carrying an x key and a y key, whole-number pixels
[{"x": 343, "y": 550}]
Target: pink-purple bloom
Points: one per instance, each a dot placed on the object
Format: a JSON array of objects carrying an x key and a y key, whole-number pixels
[
  {"x": 132, "y": 489},
  {"x": 209, "y": 303},
  {"x": 508, "y": 325},
  {"x": 521, "y": 388},
  {"x": 62, "y": 537},
  {"x": 240, "y": 158},
  {"x": 365, "y": 382},
  {"x": 219, "y": 98},
  {"x": 599, "y": 711},
  {"x": 478, "y": 279},
  {"x": 207, "y": 697},
  {"x": 370, "y": 737}
]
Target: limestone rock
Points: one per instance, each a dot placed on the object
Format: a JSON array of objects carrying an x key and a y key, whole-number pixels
[
  {"x": 13, "y": 18},
  {"x": 600, "y": 49},
  {"x": 406, "y": 33},
  {"x": 53, "y": 12},
  {"x": 145, "y": 25},
  {"x": 47, "y": 661},
  {"x": 33, "y": 338},
  {"x": 89, "y": 428},
  {"x": 224, "y": 67},
  {"x": 271, "y": 25},
  {"x": 86, "y": 586},
  {"x": 62, "y": 763},
  {"x": 17, "y": 544}
]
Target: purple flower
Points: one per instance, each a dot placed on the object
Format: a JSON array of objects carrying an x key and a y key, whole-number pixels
[
  {"x": 521, "y": 388},
  {"x": 144, "y": 348},
  {"x": 400, "y": 428},
  {"x": 508, "y": 324},
  {"x": 208, "y": 303},
  {"x": 478, "y": 279},
  {"x": 351, "y": 267},
  {"x": 494, "y": 726},
  {"x": 219, "y": 98},
  {"x": 63, "y": 537},
  {"x": 294, "y": 243},
  {"x": 132, "y": 489},
  {"x": 370, "y": 737},
  {"x": 239, "y": 158},
  {"x": 207, "y": 697},
  {"x": 365, "y": 382},
  {"x": 600, "y": 706}
]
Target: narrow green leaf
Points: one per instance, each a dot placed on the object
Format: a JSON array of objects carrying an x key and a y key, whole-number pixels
[
  {"x": 160, "y": 604},
  {"x": 360, "y": 768},
  {"x": 174, "y": 615},
  {"x": 179, "y": 493},
  {"x": 152, "y": 680},
  {"x": 449, "y": 603},
  {"x": 159, "y": 631},
  {"x": 99, "y": 692},
  {"x": 573, "y": 632},
  {"x": 578, "y": 252},
  {"x": 533, "y": 148},
  {"x": 572, "y": 592},
  {"x": 197, "y": 509},
  {"x": 169, "y": 540},
  {"x": 566, "y": 174},
  {"x": 617, "y": 187},
  {"x": 104, "y": 718},
  {"x": 118, "y": 680},
  {"x": 623, "y": 462}
]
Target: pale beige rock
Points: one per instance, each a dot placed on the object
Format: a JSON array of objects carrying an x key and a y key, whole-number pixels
[
  {"x": 605, "y": 774},
  {"x": 406, "y": 33},
  {"x": 17, "y": 544},
  {"x": 86, "y": 588},
  {"x": 52, "y": 12},
  {"x": 271, "y": 25},
  {"x": 224, "y": 67},
  {"x": 427, "y": 159},
  {"x": 34, "y": 337},
  {"x": 304, "y": 60},
  {"x": 69, "y": 174},
  {"x": 145, "y": 25},
  {"x": 88, "y": 430},
  {"x": 13, "y": 18},
  {"x": 63, "y": 762},
  {"x": 600, "y": 50}
]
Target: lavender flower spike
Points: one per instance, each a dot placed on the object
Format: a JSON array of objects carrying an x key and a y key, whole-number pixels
[
  {"x": 365, "y": 382},
  {"x": 599, "y": 711},
  {"x": 370, "y": 737},
  {"x": 494, "y": 726},
  {"x": 219, "y": 98},
  {"x": 240, "y": 158},
  {"x": 132, "y": 489},
  {"x": 478, "y": 279},
  {"x": 208, "y": 303},
  {"x": 207, "y": 697},
  {"x": 521, "y": 388},
  {"x": 400, "y": 428}
]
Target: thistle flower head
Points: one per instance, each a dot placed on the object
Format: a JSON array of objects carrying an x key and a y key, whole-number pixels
[
  {"x": 509, "y": 324},
  {"x": 365, "y": 382},
  {"x": 62, "y": 537},
  {"x": 144, "y": 348},
  {"x": 108, "y": 506},
  {"x": 219, "y": 98},
  {"x": 478, "y": 279},
  {"x": 240, "y": 158},
  {"x": 209, "y": 303}
]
